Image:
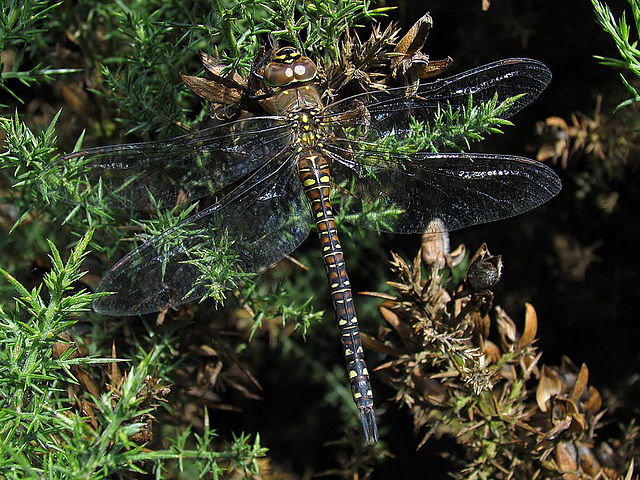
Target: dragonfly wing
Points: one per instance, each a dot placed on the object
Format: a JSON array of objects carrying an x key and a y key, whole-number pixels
[
  {"x": 390, "y": 111},
  {"x": 164, "y": 173},
  {"x": 253, "y": 227},
  {"x": 404, "y": 193}
]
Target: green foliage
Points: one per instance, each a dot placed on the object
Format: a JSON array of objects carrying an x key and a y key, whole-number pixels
[
  {"x": 218, "y": 265},
  {"x": 24, "y": 26},
  {"x": 290, "y": 302},
  {"x": 149, "y": 45},
  {"x": 621, "y": 33},
  {"x": 42, "y": 196},
  {"x": 43, "y": 432},
  {"x": 451, "y": 127},
  {"x": 25, "y": 158},
  {"x": 323, "y": 23}
]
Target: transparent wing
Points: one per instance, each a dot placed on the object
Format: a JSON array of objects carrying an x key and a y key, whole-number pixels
[
  {"x": 256, "y": 225},
  {"x": 390, "y": 112},
  {"x": 163, "y": 173},
  {"x": 404, "y": 193}
]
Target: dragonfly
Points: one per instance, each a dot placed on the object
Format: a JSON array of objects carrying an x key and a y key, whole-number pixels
[{"x": 279, "y": 174}]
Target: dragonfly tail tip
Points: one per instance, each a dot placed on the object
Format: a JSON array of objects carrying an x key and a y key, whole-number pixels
[{"x": 369, "y": 425}]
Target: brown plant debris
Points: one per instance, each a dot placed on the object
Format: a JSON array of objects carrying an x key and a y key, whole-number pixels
[
  {"x": 375, "y": 64},
  {"x": 465, "y": 370},
  {"x": 607, "y": 139}
]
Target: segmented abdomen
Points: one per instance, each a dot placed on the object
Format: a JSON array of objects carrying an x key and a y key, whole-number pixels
[{"x": 315, "y": 177}]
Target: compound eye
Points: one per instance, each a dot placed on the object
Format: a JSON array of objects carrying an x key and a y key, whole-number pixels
[
  {"x": 288, "y": 66},
  {"x": 278, "y": 74},
  {"x": 304, "y": 69}
]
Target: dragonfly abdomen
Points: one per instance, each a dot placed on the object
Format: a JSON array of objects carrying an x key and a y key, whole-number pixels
[{"x": 315, "y": 177}]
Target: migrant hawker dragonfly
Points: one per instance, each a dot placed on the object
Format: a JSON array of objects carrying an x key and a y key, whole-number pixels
[{"x": 283, "y": 167}]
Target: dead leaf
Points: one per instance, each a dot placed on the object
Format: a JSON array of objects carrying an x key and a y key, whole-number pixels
[
  {"x": 580, "y": 384},
  {"x": 549, "y": 386},
  {"x": 593, "y": 405},
  {"x": 530, "y": 326},
  {"x": 567, "y": 460}
]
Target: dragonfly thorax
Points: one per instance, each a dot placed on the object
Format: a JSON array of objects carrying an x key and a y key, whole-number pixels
[
  {"x": 299, "y": 98},
  {"x": 307, "y": 126}
]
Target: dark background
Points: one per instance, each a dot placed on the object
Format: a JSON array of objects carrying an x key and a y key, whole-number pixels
[
  {"x": 593, "y": 319},
  {"x": 590, "y": 318}
]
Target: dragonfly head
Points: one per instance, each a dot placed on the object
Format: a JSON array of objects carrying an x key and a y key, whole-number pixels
[{"x": 287, "y": 66}]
